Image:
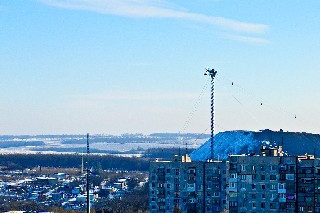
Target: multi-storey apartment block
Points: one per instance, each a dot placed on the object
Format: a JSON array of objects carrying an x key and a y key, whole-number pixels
[
  {"x": 189, "y": 186},
  {"x": 255, "y": 184},
  {"x": 269, "y": 182},
  {"x": 272, "y": 182}
]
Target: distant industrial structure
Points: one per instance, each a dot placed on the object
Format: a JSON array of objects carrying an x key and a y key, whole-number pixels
[{"x": 265, "y": 182}]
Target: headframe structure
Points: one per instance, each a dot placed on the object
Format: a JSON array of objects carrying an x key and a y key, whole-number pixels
[{"x": 212, "y": 73}]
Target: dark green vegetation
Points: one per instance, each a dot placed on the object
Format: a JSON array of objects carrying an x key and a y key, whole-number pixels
[
  {"x": 22, "y": 161},
  {"x": 165, "y": 153}
]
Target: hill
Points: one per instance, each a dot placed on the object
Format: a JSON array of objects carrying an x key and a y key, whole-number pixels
[{"x": 245, "y": 142}]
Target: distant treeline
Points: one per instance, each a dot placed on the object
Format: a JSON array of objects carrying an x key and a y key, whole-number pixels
[
  {"x": 166, "y": 153},
  {"x": 7, "y": 144},
  {"x": 106, "y": 162},
  {"x": 179, "y": 135}
]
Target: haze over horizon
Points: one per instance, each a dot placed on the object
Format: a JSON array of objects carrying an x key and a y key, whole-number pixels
[{"x": 112, "y": 67}]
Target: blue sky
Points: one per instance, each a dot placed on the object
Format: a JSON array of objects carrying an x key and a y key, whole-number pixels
[{"x": 111, "y": 66}]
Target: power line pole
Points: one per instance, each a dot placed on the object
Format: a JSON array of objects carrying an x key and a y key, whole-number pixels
[
  {"x": 88, "y": 176},
  {"x": 212, "y": 73}
]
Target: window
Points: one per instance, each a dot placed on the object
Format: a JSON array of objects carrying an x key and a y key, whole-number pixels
[
  {"x": 283, "y": 206},
  {"x": 254, "y": 204},
  {"x": 233, "y": 175},
  {"x": 242, "y": 177},
  {"x": 291, "y": 168},
  {"x": 232, "y": 185},
  {"x": 273, "y": 206},
  {"x": 216, "y": 194},
  {"x": 192, "y": 171},
  {"x": 263, "y": 196},
  {"x": 273, "y": 186},
  {"x": 233, "y": 203},
  {"x": 273, "y": 177},
  {"x": 290, "y": 176},
  {"x": 263, "y": 186},
  {"x": 263, "y": 177},
  {"x": 243, "y": 167},
  {"x": 168, "y": 170},
  {"x": 253, "y": 186},
  {"x": 176, "y": 201},
  {"x": 272, "y": 167},
  {"x": 282, "y": 186},
  {"x": 177, "y": 171},
  {"x": 176, "y": 186},
  {"x": 263, "y": 205},
  {"x": 254, "y": 196}
]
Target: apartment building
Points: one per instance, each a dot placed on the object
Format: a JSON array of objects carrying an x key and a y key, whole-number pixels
[
  {"x": 191, "y": 186},
  {"x": 269, "y": 182}
]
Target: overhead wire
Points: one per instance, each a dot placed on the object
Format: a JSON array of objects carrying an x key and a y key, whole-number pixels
[
  {"x": 236, "y": 92},
  {"x": 258, "y": 100}
]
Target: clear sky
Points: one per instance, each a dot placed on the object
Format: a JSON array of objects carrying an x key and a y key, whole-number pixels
[{"x": 136, "y": 66}]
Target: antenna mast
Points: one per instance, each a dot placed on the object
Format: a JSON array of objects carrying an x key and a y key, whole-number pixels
[
  {"x": 88, "y": 177},
  {"x": 212, "y": 73}
]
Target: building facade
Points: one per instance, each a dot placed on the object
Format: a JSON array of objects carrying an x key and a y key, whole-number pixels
[
  {"x": 269, "y": 182},
  {"x": 187, "y": 185}
]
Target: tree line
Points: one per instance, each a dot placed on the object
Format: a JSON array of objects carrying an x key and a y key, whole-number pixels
[{"x": 105, "y": 162}]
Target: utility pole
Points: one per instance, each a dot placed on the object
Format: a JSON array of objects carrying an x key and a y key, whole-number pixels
[
  {"x": 88, "y": 176},
  {"x": 212, "y": 73}
]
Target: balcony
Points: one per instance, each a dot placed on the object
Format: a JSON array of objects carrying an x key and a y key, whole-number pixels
[
  {"x": 232, "y": 180},
  {"x": 282, "y": 200},
  {"x": 282, "y": 191},
  {"x": 191, "y": 188}
]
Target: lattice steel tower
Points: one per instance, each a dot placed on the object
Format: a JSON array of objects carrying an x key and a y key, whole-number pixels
[
  {"x": 212, "y": 73},
  {"x": 88, "y": 175}
]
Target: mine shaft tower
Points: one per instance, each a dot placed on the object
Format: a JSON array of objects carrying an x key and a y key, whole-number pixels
[{"x": 212, "y": 73}]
